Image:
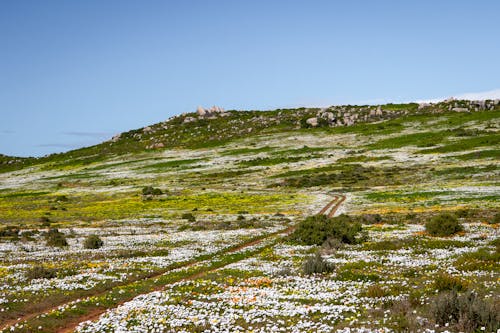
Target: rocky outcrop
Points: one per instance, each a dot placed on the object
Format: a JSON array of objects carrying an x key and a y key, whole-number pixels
[
  {"x": 214, "y": 111},
  {"x": 313, "y": 122},
  {"x": 116, "y": 137}
]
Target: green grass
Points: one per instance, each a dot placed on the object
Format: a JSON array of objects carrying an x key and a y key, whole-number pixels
[
  {"x": 489, "y": 153},
  {"x": 102, "y": 206},
  {"x": 244, "y": 151},
  {"x": 423, "y": 139},
  {"x": 159, "y": 167},
  {"x": 468, "y": 170},
  {"x": 404, "y": 196},
  {"x": 363, "y": 158},
  {"x": 466, "y": 144}
]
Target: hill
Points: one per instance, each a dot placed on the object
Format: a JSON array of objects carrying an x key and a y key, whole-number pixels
[{"x": 232, "y": 221}]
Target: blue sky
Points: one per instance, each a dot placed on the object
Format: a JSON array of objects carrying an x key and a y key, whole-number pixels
[{"x": 73, "y": 73}]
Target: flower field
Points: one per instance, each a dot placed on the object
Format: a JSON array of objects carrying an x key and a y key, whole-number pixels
[{"x": 236, "y": 237}]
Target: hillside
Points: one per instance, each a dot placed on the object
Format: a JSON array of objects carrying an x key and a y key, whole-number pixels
[
  {"x": 203, "y": 224},
  {"x": 190, "y": 130}
]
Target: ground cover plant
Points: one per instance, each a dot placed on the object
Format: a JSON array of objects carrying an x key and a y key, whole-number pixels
[{"x": 253, "y": 222}]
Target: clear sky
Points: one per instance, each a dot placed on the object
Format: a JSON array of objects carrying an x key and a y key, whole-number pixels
[{"x": 73, "y": 73}]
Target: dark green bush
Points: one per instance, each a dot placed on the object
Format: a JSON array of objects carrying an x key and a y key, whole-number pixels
[
  {"x": 188, "y": 216},
  {"x": 9, "y": 231},
  {"x": 93, "y": 242},
  {"x": 443, "y": 224},
  {"x": 316, "y": 229},
  {"x": 41, "y": 272},
  {"x": 61, "y": 198},
  {"x": 150, "y": 190},
  {"x": 316, "y": 264},
  {"x": 55, "y": 238},
  {"x": 496, "y": 219}
]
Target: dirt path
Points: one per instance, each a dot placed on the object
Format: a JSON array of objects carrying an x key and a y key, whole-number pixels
[
  {"x": 72, "y": 323},
  {"x": 325, "y": 209},
  {"x": 337, "y": 205}
]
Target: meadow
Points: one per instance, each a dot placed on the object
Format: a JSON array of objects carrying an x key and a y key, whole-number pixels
[{"x": 222, "y": 230}]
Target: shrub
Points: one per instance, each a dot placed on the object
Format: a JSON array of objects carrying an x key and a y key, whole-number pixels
[
  {"x": 403, "y": 316},
  {"x": 467, "y": 312},
  {"x": 55, "y": 238},
  {"x": 61, "y": 198},
  {"x": 495, "y": 219},
  {"x": 41, "y": 272},
  {"x": 188, "y": 216},
  {"x": 443, "y": 225},
  {"x": 150, "y": 190},
  {"x": 375, "y": 291},
  {"x": 316, "y": 229},
  {"x": 331, "y": 244},
  {"x": 45, "y": 221},
  {"x": 316, "y": 264},
  {"x": 283, "y": 271},
  {"x": 9, "y": 231},
  {"x": 93, "y": 242},
  {"x": 445, "y": 282}
]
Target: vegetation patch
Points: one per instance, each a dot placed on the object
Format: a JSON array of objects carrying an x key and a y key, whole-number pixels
[
  {"x": 316, "y": 229},
  {"x": 442, "y": 225}
]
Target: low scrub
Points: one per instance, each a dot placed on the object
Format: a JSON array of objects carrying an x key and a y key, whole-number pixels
[
  {"x": 443, "y": 225},
  {"x": 316, "y": 265},
  {"x": 495, "y": 219},
  {"x": 316, "y": 229},
  {"x": 93, "y": 242},
  {"x": 188, "y": 216},
  {"x": 445, "y": 282},
  {"x": 150, "y": 190},
  {"x": 55, "y": 238},
  {"x": 466, "y": 312},
  {"x": 41, "y": 272}
]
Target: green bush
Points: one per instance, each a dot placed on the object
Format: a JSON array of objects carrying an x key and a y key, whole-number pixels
[
  {"x": 443, "y": 225},
  {"x": 9, "y": 231},
  {"x": 316, "y": 265},
  {"x": 55, "y": 238},
  {"x": 41, "y": 272},
  {"x": 150, "y": 190},
  {"x": 316, "y": 229},
  {"x": 496, "y": 219},
  {"x": 188, "y": 216},
  {"x": 93, "y": 242}
]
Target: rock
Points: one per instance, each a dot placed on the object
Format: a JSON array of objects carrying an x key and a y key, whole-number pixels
[
  {"x": 147, "y": 129},
  {"x": 158, "y": 145},
  {"x": 211, "y": 113},
  {"x": 201, "y": 111},
  {"x": 116, "y": 137},
  {"x": 460, "y": 109},
  {"x": 379, "y": 111},
  {"x": 423, "y": 105},
  {"x": 189, "y": 120},
  {"x": 372, "y": 113},
  {"x": 313, "y": 122}
]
